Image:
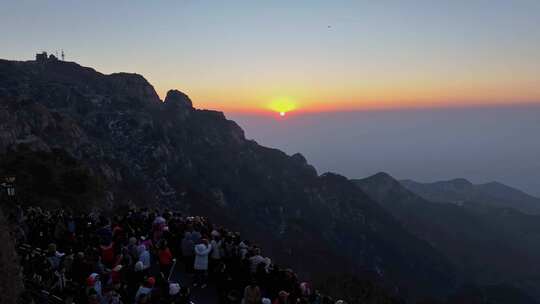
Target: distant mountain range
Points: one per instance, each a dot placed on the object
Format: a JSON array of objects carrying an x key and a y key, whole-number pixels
[
  {"x": 459, "y": 191},
  {"x": 488, "y": 244}
]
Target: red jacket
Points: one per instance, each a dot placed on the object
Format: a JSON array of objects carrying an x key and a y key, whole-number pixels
[
  {"x": 107, "y": 254},
  {"x": 165, "y": 257}
]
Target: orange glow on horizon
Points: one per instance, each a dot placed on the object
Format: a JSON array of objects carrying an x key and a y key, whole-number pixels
[
  {"x": 282, "y": 105},
  {"x": 264, "y": 101},
  {"x": 319, "y": 107}
]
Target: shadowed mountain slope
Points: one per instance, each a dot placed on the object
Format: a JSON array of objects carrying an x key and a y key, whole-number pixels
[
  {"x": 488, "y": 245},
  {"x": 170, "y": 154}
]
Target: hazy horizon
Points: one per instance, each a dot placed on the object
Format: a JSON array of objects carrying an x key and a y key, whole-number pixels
[{"x": 481, "y": 144}]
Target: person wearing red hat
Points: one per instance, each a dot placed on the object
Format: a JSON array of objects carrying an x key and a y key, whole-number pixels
[
  {"x": 146, "y": 288},
  {"x": 90, "y": 281},
  {"x": 93, "y": 286}
]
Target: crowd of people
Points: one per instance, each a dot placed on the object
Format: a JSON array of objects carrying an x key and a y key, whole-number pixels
[{"x": 136, "y": 257}]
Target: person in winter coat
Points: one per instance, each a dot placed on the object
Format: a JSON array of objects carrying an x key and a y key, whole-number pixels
[
  {"x": 165, "y": 258},
  {"x": 107, "y": 254},
  {"x": 196, "y": 236},
  {"x": 133, "y": 249},
  {"x": 111, "y": 297},
  {"x": 144, "y": 257},
  {"x": 145, "y": 289},
  {"x": 252, "y": 294},
  {"x": 283, "y": 298},
  {"x": 54, "y": 257},
  {"x": 255, "y": 260},
  {"x": 202, "y": 250},
  {"x": 216, "y": 254},
  {"x": 243, "y": 249},
  {"x": 188, "y": 251},
  {"x": 93, "y": 285}
]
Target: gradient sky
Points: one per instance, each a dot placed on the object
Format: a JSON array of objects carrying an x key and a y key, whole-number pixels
[
  {"x": 466, "y": 70},
  {"x": 316, "y": 55}
]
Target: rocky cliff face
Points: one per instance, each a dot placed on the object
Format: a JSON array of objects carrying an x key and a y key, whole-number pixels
[{"x": 168, "y": 153}]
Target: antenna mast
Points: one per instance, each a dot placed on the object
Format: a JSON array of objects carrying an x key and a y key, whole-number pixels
[{"x": 63, "y": 55}]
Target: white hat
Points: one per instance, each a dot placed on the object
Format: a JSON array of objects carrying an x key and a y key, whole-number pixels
[
  {"x": 174, "y": 289},
  {"x": 266, "y": 301},
  {"x": 139, "y": 266},
  {"x": 117, "y": 268}
]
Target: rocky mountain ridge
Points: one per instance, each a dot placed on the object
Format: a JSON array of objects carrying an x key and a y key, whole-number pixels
[
  {"x": 170, "y": 154},
  {"x": 460, "y": 191}
]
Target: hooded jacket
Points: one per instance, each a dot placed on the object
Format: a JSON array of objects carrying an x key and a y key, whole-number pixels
[{"x": 201, "y": 256}]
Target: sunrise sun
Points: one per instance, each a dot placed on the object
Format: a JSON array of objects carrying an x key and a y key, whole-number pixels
[{"x": 282, "y": 105}]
